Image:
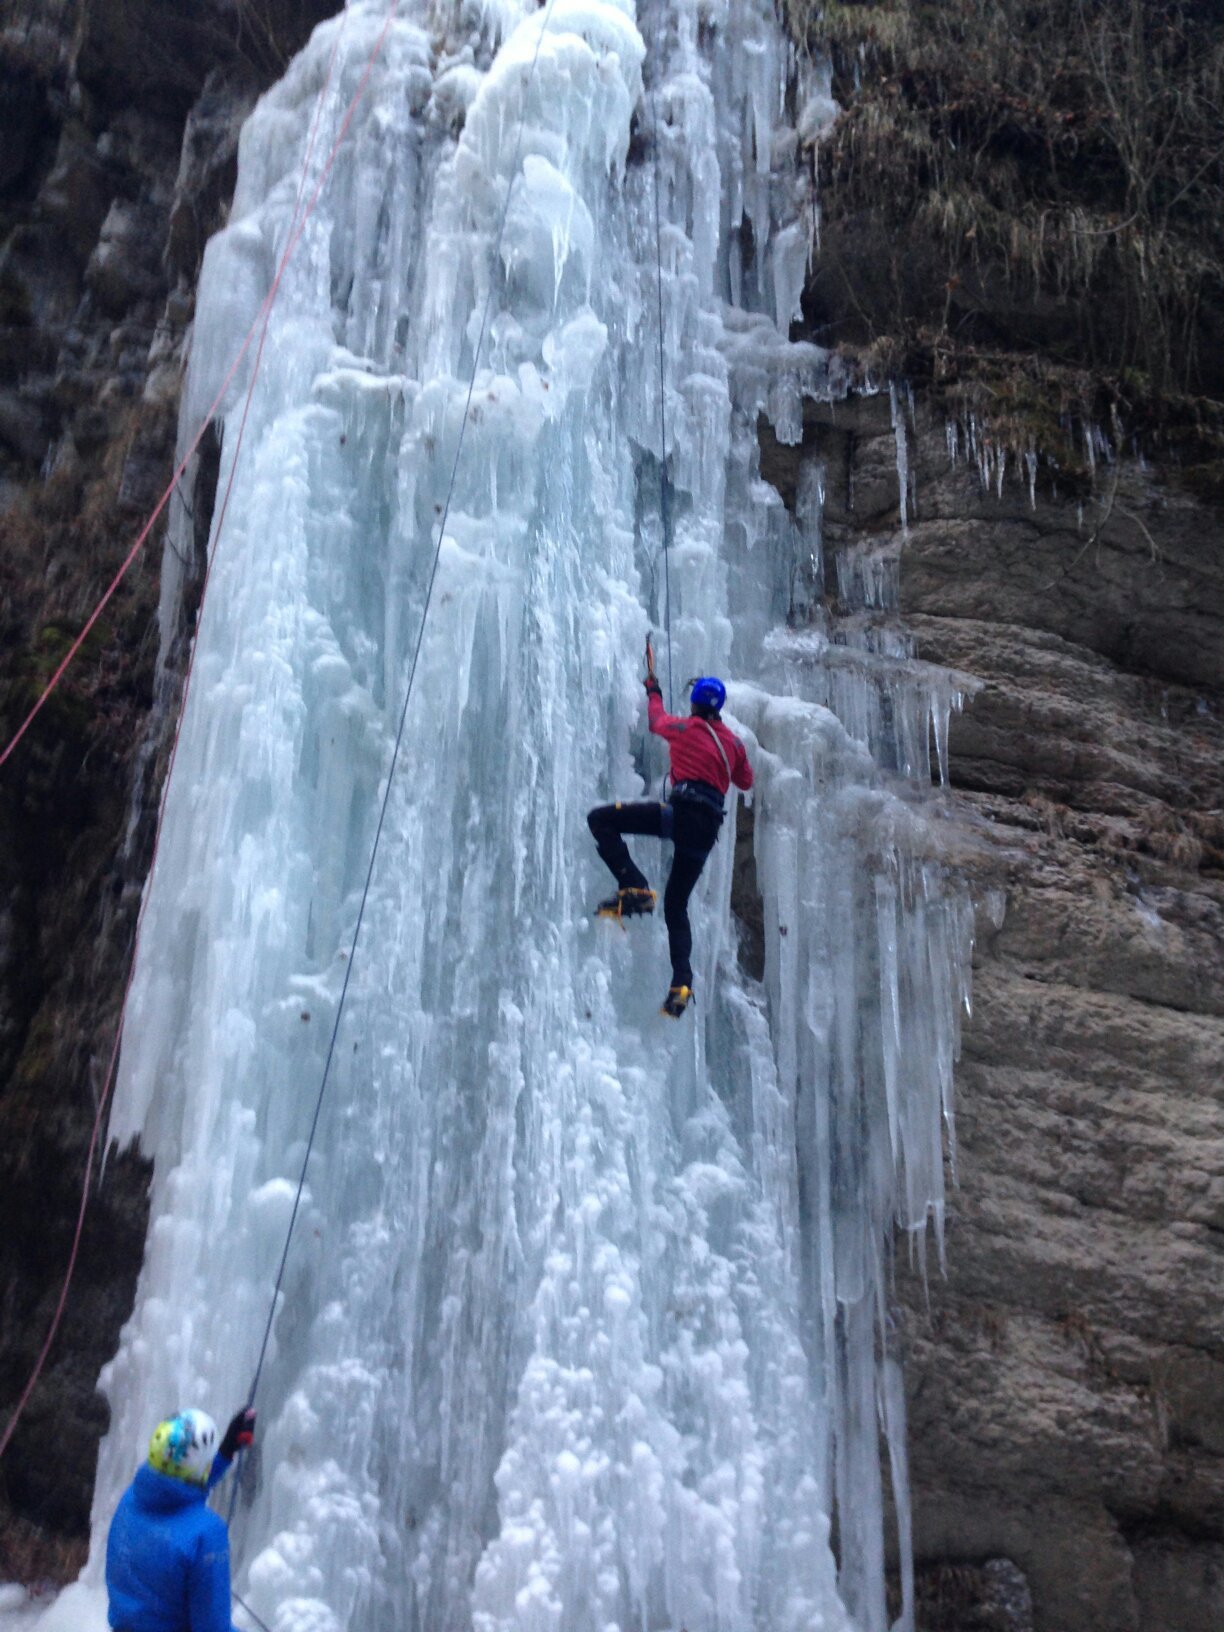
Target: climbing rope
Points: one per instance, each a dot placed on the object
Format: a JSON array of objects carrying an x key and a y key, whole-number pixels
[
  {"x": 399, "y": 737},
  {"x": 264, "y": 316},
  {"x": 261, "y": 316},
  {"x": 664, "y": 502},
  {"x": 244, "y": 1606}
]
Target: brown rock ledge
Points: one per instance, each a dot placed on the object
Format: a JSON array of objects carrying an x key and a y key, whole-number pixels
[{"x": 1066, "y": 1379}]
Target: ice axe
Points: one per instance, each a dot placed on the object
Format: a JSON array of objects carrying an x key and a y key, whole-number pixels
[{"x": 650, "y": 668}]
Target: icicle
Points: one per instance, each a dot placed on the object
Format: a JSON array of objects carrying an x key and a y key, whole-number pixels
[
  {"x": 899, "y": 437},
  {"x": 892, "y": 1390}
]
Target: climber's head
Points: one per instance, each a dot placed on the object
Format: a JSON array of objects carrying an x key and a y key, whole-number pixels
[
  {"x": 184, "y": 1447},
  {"x": 707, "y": 697}
]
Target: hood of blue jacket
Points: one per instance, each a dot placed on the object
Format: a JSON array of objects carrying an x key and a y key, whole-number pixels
[{"x": 159, "y": 1493}]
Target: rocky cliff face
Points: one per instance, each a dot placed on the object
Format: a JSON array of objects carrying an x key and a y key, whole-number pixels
[
  {"x": 121, "y": 122},
  {"x": 1067, "y": 1387},
  {"x": 1066, "y": 1377}
]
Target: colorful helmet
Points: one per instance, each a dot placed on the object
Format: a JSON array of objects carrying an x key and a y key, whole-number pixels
[
  {"x": 708, "y": 693},
  {"x": 184, "y": 1447}
]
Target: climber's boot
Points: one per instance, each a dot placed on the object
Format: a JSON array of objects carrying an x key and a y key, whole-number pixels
[
  {"x": 677, "y": 1000},
  {"x": 626, "y": 904}
]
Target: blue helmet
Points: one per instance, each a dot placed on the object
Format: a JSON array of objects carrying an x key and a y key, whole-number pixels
[{"x": 708, "y": 693}]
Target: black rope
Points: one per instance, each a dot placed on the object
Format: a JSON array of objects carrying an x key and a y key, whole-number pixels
[
  {"x": 664, "y": 502},
  {"x": 242, "y": 1604},
  {"x": 399, "y": 737}
]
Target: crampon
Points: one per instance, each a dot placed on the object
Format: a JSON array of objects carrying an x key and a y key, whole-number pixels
[{"x": 626, "y": 904}]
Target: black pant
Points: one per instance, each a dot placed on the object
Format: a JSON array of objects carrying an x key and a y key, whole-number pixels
[{"x": 693, "y": 826}]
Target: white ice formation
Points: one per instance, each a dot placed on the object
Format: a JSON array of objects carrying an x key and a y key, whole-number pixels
[{"x": 585, "y": 1324}]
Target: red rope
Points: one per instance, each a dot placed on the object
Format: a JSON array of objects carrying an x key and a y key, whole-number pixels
[
  {"x": 246, "y": 407},
  {"x": 261, "y": 315},
  {"x": 264, "y": 314}
]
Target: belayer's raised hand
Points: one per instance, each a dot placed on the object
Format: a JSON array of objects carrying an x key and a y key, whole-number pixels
[{"x": 239, "y": 1434}]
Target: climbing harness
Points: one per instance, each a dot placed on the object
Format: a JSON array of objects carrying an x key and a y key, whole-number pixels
[
  {"x": 664, "y": 502},
  {"x": 262, "y": 316},
  {"x": 693, "y": 791}
]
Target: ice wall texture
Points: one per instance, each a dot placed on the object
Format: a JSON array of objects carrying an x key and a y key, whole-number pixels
[{"x": 585, "y": 1320}]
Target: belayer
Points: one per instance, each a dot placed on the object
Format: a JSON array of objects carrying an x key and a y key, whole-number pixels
[
  {"x": 706, "y": 757},
  {"x": 167, "y": 1553}
]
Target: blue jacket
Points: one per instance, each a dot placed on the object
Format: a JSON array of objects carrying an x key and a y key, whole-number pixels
[{"x": 167, "y": 1557}]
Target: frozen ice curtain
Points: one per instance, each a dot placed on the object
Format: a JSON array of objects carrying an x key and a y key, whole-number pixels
[{"x": 582, "y": 1326}]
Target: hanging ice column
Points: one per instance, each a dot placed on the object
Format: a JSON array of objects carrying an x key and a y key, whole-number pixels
[{"x": 583, "y": 1323}]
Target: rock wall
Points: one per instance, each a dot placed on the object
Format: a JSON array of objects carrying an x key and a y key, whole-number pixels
[
  {"x": 1066, "y": 1376},
  {"x": 118, "y": 161}
]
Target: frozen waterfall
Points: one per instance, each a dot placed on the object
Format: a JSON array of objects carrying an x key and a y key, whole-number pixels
[{"x": 585, "y": 1324}]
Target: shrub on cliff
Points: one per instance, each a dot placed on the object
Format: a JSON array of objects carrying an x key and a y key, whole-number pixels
[{"x": 1025, "y": 177}]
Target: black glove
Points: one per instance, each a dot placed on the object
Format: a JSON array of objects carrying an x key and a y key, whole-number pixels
[
  {"x": 652, "y": 685},
  {"x": 239, "y": 1434}
]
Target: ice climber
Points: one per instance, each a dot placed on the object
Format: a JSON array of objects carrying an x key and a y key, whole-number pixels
[
  {"x": 706, "y": 757},
  {"x": 167, "y": 1554}
]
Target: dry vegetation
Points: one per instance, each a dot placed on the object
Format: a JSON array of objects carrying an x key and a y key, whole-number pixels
[
  {"x": 49, "y": 530},
  {"x": 29, "y": 1555},
  {"x": 1023, "y": 204}
]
